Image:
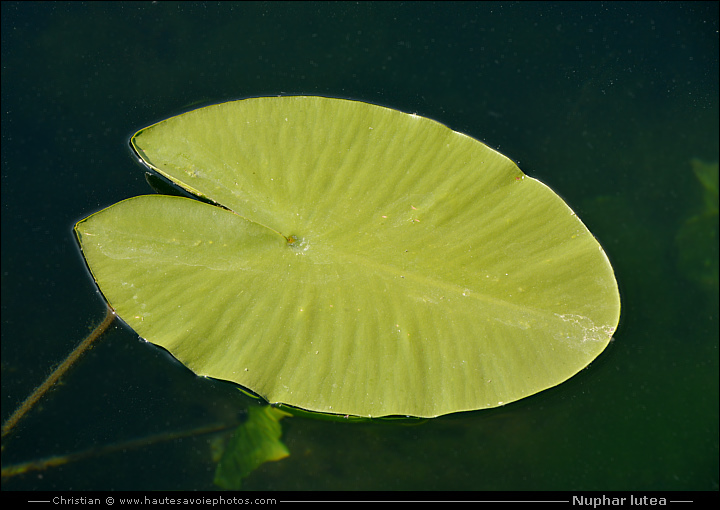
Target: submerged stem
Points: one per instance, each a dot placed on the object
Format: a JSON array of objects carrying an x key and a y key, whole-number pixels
[
  {"x": 42, "y": 464},
  {"x": 57, "y": 373}
]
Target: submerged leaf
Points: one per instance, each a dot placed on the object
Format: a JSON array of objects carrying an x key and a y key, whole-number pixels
[
  {"x": 697, "y": 237},
  {"x": 253, "y": 443},
  {"x": 364, "y": 261}
]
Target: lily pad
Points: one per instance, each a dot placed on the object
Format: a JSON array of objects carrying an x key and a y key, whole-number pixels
[{"x": 360, "y": 261}]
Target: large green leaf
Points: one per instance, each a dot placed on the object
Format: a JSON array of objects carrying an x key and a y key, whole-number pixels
[{"x": 365, "y": 261}]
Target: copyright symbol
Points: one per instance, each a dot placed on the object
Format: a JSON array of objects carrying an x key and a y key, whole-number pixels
[{"x": 109, "y": 501}]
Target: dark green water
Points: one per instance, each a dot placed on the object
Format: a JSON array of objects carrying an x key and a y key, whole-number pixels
[{"x": 606, "y": 103}]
